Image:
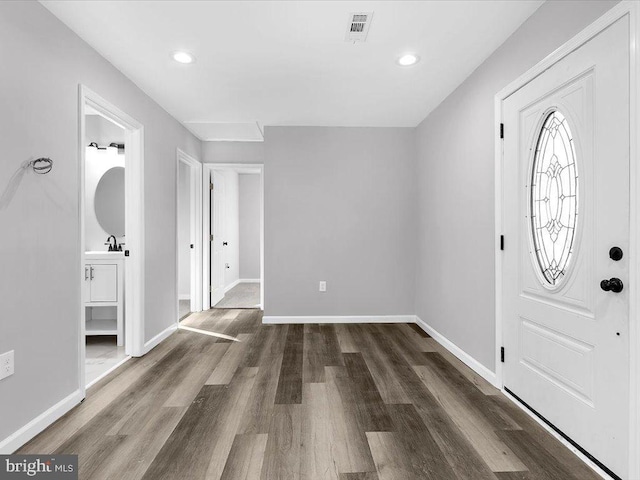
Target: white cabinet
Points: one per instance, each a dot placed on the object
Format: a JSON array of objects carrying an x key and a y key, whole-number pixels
[
  {"x": 103, "y": 283},
  {"x": 104, "y": 294}
]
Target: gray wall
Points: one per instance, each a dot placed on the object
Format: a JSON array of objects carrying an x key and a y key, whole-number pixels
[
  {"x": 340, "y": 203},
  {"x": 39, "y": 245},
  {"x": 233, "y": 152},
  {"x": 249, "y": 213},
  {"x": 455, "y": 143},
  {"x": 340, "y": 206}
]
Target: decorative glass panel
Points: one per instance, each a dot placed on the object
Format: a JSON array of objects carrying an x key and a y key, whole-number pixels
[{"x": 554, "y": 198}]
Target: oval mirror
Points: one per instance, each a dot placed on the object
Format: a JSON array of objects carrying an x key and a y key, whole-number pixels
[{"x": 109, "y": 201}]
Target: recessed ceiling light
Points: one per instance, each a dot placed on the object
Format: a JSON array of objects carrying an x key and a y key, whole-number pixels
[
  {"x": 408, "y": 59},
  {"x": 183, "y": 57}
]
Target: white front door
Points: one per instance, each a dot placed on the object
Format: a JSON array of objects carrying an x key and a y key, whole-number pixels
[
  {"x": 565, "y": 207},
  {"x": 217, "y": 235}
]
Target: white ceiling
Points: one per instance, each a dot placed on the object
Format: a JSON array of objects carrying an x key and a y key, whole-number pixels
[{"x": 287, "y": 63}]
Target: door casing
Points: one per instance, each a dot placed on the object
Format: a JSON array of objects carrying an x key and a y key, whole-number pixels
[
  {"x": 218, "y": 231},
  {"x": 631, "y": 10},
  {"x": 134, "y": 223},
  {"x": 257, "y": 168},
  {"x": 195, "y": 213}
]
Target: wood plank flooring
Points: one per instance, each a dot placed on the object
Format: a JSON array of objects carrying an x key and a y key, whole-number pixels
[{"x": 340, "y": 402}]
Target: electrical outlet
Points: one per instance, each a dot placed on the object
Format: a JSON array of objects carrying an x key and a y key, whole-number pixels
[
  {"x": 6, "y": 365},
  {"x": 323, "y": 286}
]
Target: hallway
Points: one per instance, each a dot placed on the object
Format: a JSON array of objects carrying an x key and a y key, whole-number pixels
[{"x": 302, "y": 401}]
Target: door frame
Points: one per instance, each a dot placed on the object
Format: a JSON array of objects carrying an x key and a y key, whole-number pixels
[
  {"x": 195, "y": 222},
  {"x": 218, "y": 231},
  {"x": 631, "y": 10},
  {"x": 257, "y": 168},
  {"x": 134, "y": 223}
]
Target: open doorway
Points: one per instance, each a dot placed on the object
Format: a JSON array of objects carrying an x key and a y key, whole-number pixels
[
  {"x": 233, "y": 251},
  {"x": 188, "y": 234},
  {"x": 234, "y": 222},
  {"x": 105, "y": 164},
  {"x": 111, "y": 237}
]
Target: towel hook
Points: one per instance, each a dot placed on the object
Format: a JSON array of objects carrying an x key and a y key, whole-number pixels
[{"x": 41, "y": 166}]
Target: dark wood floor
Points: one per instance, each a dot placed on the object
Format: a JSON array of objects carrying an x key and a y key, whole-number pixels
[{"x": 346, "y": 402}]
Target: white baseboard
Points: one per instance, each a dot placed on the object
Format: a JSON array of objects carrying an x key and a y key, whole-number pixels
[
  {"x": 42, "y": 421},
  {"x": 104, "y": 374},
  {"x": 14, "y": 441},
  {"x": 148, "y": 346},
  {"x": 239, "y": 281},
  {"x": 184, "y": 296},
  {"x": 340, "y": 319},
  {"x": 231, "y": 285},
  {"x": 467, "y": 359}
]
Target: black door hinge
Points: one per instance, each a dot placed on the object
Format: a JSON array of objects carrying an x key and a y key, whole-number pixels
[
  {"x": 501, "y": 242},
  {"x": 502, "y": 130},
  {"x": 502, "y": 354}
]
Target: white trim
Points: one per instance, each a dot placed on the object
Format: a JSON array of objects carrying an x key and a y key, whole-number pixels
[
  {"x": 558, "y": 437},
  {"x": 163, "y": 335},
  {"x": 17, "y": 439},
  {"x": 463, "y": 356},
  {"x": 134, "y": 222},
  {"x": 206, "y": 242},
  {"x": 467, "y": 359},
  {"x": 257, "y": 168},
  {"x": 184, "y": 296},
  {"x": 632, "y": 10},
  {"x": 104, "y": 374},
  {"x": 634, "y": 274},
  {"x": 195, "y": 211},
  {"x": 231, "y": 285},
  {"x": 609, "y": 18},
  {"x": 498, "y": 233},
  {"x": 249, "y": 280},
  {"x": 339, "y": 319}
]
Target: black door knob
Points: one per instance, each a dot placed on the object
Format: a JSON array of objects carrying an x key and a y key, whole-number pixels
[
  {"x": 613, "y": 285},
  {"x": 615, "y": 254}
]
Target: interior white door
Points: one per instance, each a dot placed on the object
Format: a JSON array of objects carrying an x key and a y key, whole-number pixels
[
  {"x": 565, "y": 205},
  {"x": 217, "y": 235},
  {"x": 193, "y": 270}
]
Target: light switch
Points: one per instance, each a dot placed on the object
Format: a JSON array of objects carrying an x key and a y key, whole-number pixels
[{"x": 323, "y": 286}]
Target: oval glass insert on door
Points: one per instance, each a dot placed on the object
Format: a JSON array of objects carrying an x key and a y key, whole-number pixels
[{"x": 554, "y": 199}]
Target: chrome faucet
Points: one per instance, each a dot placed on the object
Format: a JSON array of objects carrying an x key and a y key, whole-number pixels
[{"x": 113, "y": 247}]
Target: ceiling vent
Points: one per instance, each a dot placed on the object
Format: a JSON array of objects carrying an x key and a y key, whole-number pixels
[{"x": 358, "y": 26}]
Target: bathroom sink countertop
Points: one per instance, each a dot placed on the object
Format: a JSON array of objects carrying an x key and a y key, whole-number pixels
[{"x": 99, "y": 255}]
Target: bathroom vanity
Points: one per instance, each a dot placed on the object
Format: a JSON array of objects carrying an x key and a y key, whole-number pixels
[{"x": 104, "y": 294}]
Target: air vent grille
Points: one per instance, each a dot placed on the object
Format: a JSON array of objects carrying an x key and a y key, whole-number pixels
[{"x": 358, "y": 26}]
